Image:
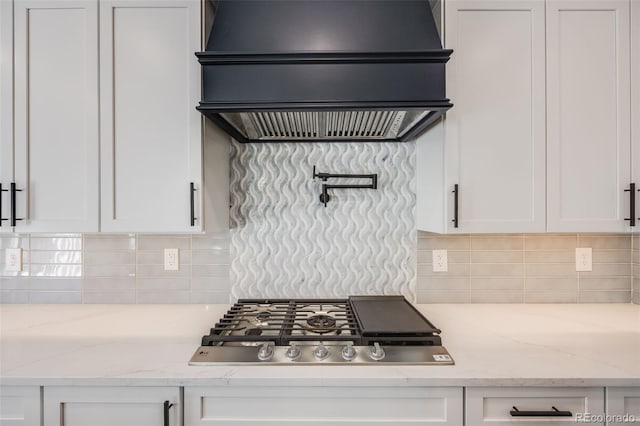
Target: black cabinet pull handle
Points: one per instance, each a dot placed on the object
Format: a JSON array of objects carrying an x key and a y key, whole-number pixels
[
  {"x": 555, "y": 413},
  {"x": 14, "y": 190},
  {"x": 2, "y": 219},
  {"x": 632, "y": 204},
  {"x": 167, "y": 406},
  {"x": 192, "y": 190},
  {"x": 455, "y": 205}
]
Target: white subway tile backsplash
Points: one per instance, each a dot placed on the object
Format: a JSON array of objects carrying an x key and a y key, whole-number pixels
[
  {"x": 56, "y": 284},
  {"x": 209, "y": 270},
  {"x": 109, "y": 284},
  {"x": 109, "y": 242},
  {"x": 442, "y": 296},
  {"x": 485, "y": 242},
  {"x": 502, "y": 296},
  {"x": 110, "y": 270},
  {"x": 14, "y": 283},
  {"x": 14, "y": 296},
  {"x": 608, "y": 283},
  {"x": 497, "y": 256},
  {"x": 494, "y": 283},
  {"x": 550, "y": 256},
  {"x": 153, "y": 242},
  {"x": 496, "y": 270},
  {"x": 37, "y": 256},
  {"x": 604, "y": 297},
  {"x": 109, "y": 297},
  {"x": 55, "y": 297},
  {"x": 206, "y": 284},
  {"x": 163, "y": 283},
  {"x": 605, "y": 242},
  {"x": 162, "y": 297},
  {"x": 551, "y": 285},
  {"x": 156, "y": 257},
  {"x": 158, "y": 271},
  {"x": 210, "y": 257},
  {"x": 551, "y": 297},
  {"x": 550, "y": 242},
  {"x": 121, "y": 257},
  {"x": 56, "y": 243},
  {"x": 53, "y": 270}
]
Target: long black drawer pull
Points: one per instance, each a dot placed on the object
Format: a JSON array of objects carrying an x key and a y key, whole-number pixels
[
  {"x": 455, "y": 205},
  {"x": 192, "y": 190},
  {"x": 14, "y": 219},
  {"x": 167, "y": 406},
  {"x": 2, "y": 219},
  {"x": 632, "y": 204},
  {"x": 555, "y": 413}
]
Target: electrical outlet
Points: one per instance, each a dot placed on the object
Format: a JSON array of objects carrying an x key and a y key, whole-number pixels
[
  {"x": 440, "y": 263},
  {"x": 584, "y": 259},
  {"x": 13, "y": 259},
  {"x": 171, "y": 259}
]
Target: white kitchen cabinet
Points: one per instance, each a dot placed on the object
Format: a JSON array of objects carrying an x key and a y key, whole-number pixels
[
  {"x": 151, "y": 136},
  {"x": 623, "y": 404},
  {"x": 588, "y": 115},
  {"x": 494, "y": 405},
  {"x": 107, "y": 406},
  {"x": 236, "y": 405},
  {"x": 635, "y": 103},
  {"x": 55, "y": 103},
  {"x": 6, "y": 110},
  {"x": 492, "y": 143},
  {"x": 19, "y": 406}
]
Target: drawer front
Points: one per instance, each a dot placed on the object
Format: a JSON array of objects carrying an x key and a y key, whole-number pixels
[
  {"x": 244, "y": 406},
  {"x": 623, "y": 406},
  {"x": 495, "y": 405}
]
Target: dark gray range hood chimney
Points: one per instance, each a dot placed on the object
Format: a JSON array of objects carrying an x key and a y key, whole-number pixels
[{"x": 323, "y": 70}]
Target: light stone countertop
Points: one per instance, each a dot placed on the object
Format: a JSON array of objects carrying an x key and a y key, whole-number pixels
[{"x": 149, "y": 345}]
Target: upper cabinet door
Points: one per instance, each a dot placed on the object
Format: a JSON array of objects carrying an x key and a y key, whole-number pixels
[
  {"x": 151, "y": 143},
  {"x": 588, "y": 113},
  {"x": 6, "y": 110},
  {"x": 495, "y": 133},
  {"x": 56, "y": 115},
  {"x": 635, "y": 99}
]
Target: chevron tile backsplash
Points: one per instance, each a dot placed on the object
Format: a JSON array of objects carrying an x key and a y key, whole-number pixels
[{"x": 284, "y": 243}]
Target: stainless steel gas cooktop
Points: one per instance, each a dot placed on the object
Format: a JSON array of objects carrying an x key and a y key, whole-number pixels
[{"x": 358, "y": 330}]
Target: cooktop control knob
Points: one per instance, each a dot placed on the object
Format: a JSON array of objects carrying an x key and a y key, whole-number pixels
[
  {"x": 293, "y": 352},
  {"x": 321, "y": 352},
  {"x": 349, "y": 353},
  {"x": 376, "y": 352},
  {"x": 266, "y": 352}
]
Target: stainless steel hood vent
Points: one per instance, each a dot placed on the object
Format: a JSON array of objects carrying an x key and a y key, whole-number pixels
[{"x": 323, "y": 70}]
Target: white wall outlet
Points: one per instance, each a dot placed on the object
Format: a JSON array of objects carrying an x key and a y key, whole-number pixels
[
  {"x": 171, "y": 259},
  {"x": 13, "y": 259},
  {"x": 584, "y": 259},
  {"x": 440, "y": 262}
]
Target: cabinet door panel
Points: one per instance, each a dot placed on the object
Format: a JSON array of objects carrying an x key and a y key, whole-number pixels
[
  {"x": 588, "y": 115},
  {"x": 319, "y": 406},
  {"x": 6, "y": 108},
  {"x": 110, "y": 406},
  {"x": 151, "y": 132},
  {"x": 635, "y": 97},
  {"x": 19, "y": 406},
  {"x": 625, "y": 403},
  {"x": 56, "y": 115},
  {"x": 495, "y": 133}
]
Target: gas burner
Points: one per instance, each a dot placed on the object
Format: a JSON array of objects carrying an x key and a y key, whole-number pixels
[
  {"x": 321, "y": 323},
  {"x": 252, "y": 332},
  {"x": 263, "y": 316}
]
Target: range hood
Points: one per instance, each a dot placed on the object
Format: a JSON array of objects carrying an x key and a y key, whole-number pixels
[{"x": 323, "y": 70}]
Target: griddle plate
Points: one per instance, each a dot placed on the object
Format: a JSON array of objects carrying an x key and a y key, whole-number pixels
[{"x": 389, "y": 315}]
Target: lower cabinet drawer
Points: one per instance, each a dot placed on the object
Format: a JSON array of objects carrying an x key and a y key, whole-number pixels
[
  {"x": 244, "y": 406},
  {"x": 534, "y": 406}
]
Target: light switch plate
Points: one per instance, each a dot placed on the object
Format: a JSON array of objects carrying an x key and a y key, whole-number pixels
[
  {"x": 171, "y": 259},
  {"x": 13, "y": 259},
  {"x": 584, "y": 258},
  {"x": 440, "y": 261}
]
